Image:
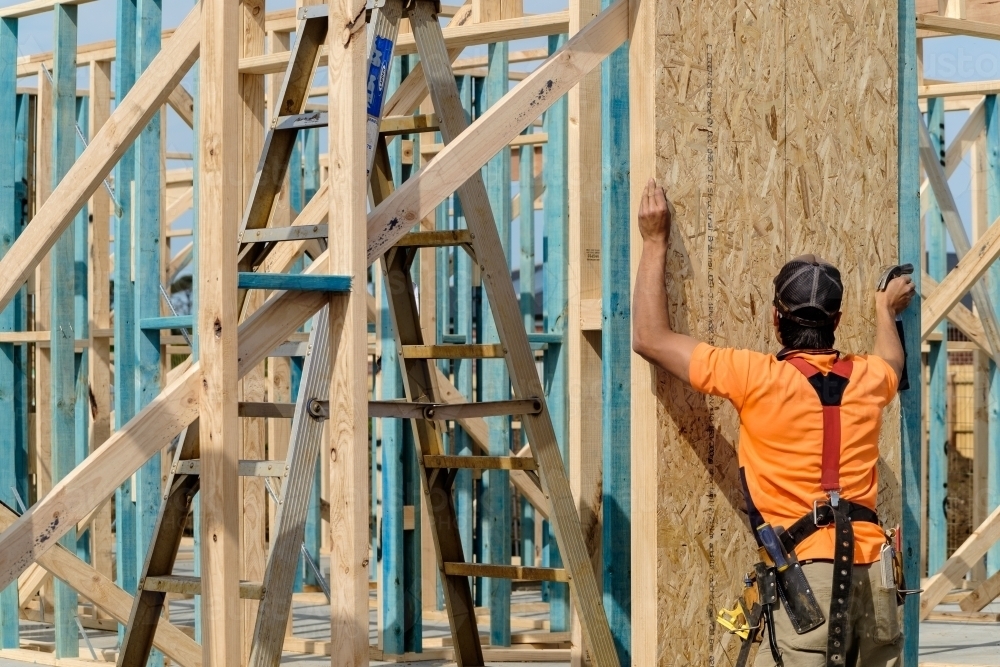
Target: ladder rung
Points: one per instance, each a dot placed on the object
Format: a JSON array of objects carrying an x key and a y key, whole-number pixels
[
  {"x": 494, "y": 351},
  {"x": 269, "y": 410},
  {"x": 480, "y": 462},
  {"x": 448, "y": 411},
  {"x": 393, "y": 125},
  {"x": 292, "y": 233},
  {"x": 436, "y": 239},
  {"x": 248, "y": 468},
  {"x": 515, "y": 572},
  {"x": 301, "y": 121},
  {"x": 184, "y": 585}
]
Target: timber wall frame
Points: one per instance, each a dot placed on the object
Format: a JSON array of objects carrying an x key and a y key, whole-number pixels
[
  {"x": 581, "y": 327},
  {"x": 161, "y": 384}
]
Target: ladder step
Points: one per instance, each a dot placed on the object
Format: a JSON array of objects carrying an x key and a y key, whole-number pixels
[
  {"x": 448, "y": 411},
  {"x": 436, "y": 239},
  {"x": 390, "y": 126},
  {"x": 184, "y": 585},
  {"x": 248, "y": 468},
  {"x": 269, "y": 410},
  {"x": 494, "y": 351},
  {"x": 302, "y": 282},
  {"x": 300, "y": 121},
  {"x": 514, "y": 572},
  {"x": 393, "y": 125},
  {"x": 277, "y": 234},
  {"x": 481, "y": 462}
]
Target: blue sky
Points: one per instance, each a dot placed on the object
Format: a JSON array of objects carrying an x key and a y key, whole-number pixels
[{"x": 961, "y": 59}]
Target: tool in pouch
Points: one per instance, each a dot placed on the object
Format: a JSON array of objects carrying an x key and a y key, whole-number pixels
[
  {"x": 888, "y": 276},
  {"x": 891, "y": 564}
]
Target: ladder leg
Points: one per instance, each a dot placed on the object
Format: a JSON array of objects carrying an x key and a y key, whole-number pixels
[
  {"x": 419, "y": 385},
  {"x": 148, "y": 605},
  {"x": 520, "y": 360},
  {"x": 288, "y": 531}
]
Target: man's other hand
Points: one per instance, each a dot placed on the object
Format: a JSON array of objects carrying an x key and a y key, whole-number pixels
[
  {"x": 654, "y": 214},
  {"x": 897, "y": 295}
]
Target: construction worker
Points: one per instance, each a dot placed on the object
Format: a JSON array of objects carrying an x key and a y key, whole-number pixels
[{"x": 808, "y": 453}]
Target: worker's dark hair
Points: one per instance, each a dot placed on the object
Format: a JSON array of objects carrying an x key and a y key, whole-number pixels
[{"x": 794, "y": 336}]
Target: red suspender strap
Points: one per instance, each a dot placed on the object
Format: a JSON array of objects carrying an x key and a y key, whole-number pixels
[{"x": 830, "y": 389}]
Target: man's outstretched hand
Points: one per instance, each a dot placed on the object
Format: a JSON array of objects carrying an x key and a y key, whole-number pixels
[
  {"x": 897, "y": 295},
  {"x": 654, "y": 214}
]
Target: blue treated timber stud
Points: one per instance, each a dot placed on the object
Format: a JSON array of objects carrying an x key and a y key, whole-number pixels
[
  {"x": 10, "y": 224},
  {"x": 81, "y": 324},
  {"x": 616, "y": 351},
  {"x": 391, "y": 585},
  {"x": 910, "y": 251},
  {"x": 463, "y": 484},
  {"x": 992, "y": 110},
  {"x": 555, "y": 201},
  {"x": 146, "y": 208},
  {"x": 496, "y": 383},
  {"x": 63, "y": 369},
  {"x": 126, "y": 558},
  {"x": 937, "y": 361}
]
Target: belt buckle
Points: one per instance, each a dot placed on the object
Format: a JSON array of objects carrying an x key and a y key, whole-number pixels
[{"x": 816, "y": 504}]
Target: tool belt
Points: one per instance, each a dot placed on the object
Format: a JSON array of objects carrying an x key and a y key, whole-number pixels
[{"x": 779, "y": 573}]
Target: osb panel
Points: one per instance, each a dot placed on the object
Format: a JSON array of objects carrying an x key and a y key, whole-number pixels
[{"x": 776, "y": 135}]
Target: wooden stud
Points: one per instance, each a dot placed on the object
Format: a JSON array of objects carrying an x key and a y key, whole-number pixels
[
  {"x": 99, "y": 365},
  {"x": 646, "y": 436},
  {"x": 908, "y": 164},
  {"x": 583, "y": 349},
  {"x": 63, "y": 355},
  {"x": 937, "y": 267},
  {"x": 616, "y": 352},
  {"x": 10, "y": 227},
  {"x": 347, "y": 450},
  {"x": 555, "y": 306},
  {"x": 146, "y": 215},
  {"x": 253, "y": 496},
  {"x": 219, "y": 181},
  {"x": 127, "y": 559},
  {"x": 992, "y": 111}
]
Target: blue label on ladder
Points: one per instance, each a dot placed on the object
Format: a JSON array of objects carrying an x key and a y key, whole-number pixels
[{"x": 378, "y": 74}]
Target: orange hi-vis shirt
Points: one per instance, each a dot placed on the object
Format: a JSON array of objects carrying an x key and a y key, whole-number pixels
[{"x": 781, "y": 436}]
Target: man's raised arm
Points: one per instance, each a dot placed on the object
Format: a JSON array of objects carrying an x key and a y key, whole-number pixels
[
  {"x": 894, "y": 300},
  {"x": 652, "y": 337}
]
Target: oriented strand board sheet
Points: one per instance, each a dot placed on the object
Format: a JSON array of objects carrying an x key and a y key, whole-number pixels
[{"x": 775, "y": 136}]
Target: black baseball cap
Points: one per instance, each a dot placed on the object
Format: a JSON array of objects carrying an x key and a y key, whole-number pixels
[{"x": 808, "y": 291}]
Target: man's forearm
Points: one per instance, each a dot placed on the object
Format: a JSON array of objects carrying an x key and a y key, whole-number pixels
[
  {"x": 887, "y": 343},
  {"x": 649, "y": 310}
]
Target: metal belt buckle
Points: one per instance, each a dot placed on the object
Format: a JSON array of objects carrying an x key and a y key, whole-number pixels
[{"x": 816, "y": 514}]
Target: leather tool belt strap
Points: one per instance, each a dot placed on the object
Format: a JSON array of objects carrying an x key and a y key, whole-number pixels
[
  {"x": 834, "y": 511},
  {"x": 830, "y": 390}
]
